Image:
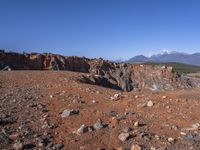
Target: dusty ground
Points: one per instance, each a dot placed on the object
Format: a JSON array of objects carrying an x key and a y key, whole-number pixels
[{"x": 32, "y": 103}]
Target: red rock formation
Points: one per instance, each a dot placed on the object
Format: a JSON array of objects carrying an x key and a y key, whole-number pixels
[{"x": 122, "y": 76}]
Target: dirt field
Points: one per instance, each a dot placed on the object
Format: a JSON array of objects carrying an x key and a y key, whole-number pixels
[{"x": 32, "y": 103}]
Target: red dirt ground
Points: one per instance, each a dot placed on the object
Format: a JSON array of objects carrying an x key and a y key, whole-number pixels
[{"x": 36, "y": 99}]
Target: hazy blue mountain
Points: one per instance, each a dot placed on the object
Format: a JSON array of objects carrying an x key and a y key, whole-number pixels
[
  {"x": 193, "y": 59},
  {"x": 138, "y": 59}
]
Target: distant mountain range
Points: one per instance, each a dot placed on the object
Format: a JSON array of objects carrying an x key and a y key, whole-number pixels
[{"x": 193, "y": 59}]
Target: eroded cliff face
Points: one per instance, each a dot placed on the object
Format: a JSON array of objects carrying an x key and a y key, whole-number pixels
[
  {"x": 35, "y": 61},
  {"x": 130, "y": 77},
  {"x": 120, "y": 76}
]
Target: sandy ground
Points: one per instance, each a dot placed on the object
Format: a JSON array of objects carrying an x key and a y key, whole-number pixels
[{"x": 32, "y": 103}]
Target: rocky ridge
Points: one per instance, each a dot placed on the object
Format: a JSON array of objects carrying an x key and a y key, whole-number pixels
[{"x": 121, "y": 76}]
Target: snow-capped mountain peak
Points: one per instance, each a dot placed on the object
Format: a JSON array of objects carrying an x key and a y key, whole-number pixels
[
  {"x": 165, "y": 51},
  {"x": 169, "y": 56}
]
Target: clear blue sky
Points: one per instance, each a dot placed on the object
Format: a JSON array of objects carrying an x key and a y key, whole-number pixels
[{"x": 100, "y": 28}]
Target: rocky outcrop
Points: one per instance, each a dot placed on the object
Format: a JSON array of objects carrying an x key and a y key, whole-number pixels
[
  {"x": 129, "y": 77},
  {"x": 35, "y": 61},
  {"x": 120, "y": 76}
]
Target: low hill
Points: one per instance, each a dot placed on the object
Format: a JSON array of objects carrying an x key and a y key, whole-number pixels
[
  {"x": 179, "y": 67},
  {"x": 192, "y": 59}
]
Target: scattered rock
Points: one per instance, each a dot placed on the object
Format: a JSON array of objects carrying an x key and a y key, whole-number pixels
[
  {"x": 140, "y": 123},
  {"x": 43, "y": 141},
  {"x": 116, "y": 97},
  {"x": 136, "y": 124},
  {"x": 98, "y": 125},
  {"x": 110, "y": 113},
  {"x": 69, "y": 112},
  {"x": 91, "y": 128},
  {"x": 136, "y": 147},
  {"x": 190, "y": 137},
  {"x": 7, "y": 68},
  {"x": 100, "y": 148},
  {"x": 4, "y": 139},
  {"x": 124, "y": 136},
  {"x": 97, "y": 92},
  {"x": 114, "y": 121},
  {"x": 167, "y": 107},
  {"x": 18, "y": 146},
  {"x": 196, "y": 126},
  {"x": 14, "y": 136},
  {"x": 157, "y": 137},
  {"x": 120, "y": 148},
  {"x": 82, "y": 129},
  {"x": 182, "y": 133},
  {"x": 40, "y": 145},
  {"x": 33, "y": 116},
  {"x": 57, "y": 146},
  {"x": 170, "y": 139},
  {"x": 127, "y": 129},
  {"x": 150, "y": 103},
  {"x": 93, "y": 101}
]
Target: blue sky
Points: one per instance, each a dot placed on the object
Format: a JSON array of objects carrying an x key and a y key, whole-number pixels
[{"x": 110, "y": 29}]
